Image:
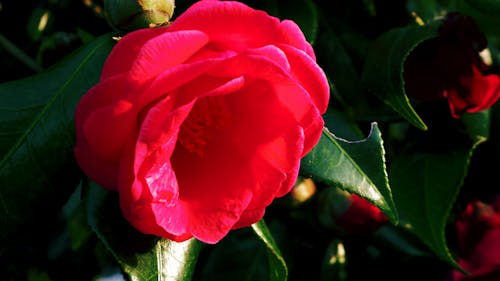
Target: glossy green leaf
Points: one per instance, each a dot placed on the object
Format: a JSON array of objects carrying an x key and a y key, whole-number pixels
[
  {"x": 278, "y": 270},
  {"x": 383, "y": 73},
  {"x": 239, "y": 256},
  {"x": 425, "y": 186},
  {"x": 477, "y": 125},
  {"x": 37, "y": 168},
  {"x": 142, "y": 257},
  {"x": 355, "y": 166}
]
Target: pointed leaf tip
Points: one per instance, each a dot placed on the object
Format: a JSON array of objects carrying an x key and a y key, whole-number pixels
[
  {"x": 278, "y": 270},
  {"x": 355, "y": 166}
]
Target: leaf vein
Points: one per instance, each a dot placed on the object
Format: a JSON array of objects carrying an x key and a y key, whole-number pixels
[{"x": 38, "y": 118}]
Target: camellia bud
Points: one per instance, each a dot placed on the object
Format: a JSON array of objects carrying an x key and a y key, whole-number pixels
[{"x": 128, "y": 15}]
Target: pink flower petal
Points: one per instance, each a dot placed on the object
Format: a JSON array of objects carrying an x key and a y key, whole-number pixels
[
  {"x": 309, "y": 75},
  {"x": 107, "y": 128},
  {"x": 211, "y": 221},
  {"x": 98, "y": 138},
  {"x": 207, "y": 85},
  {"x": 125, "y": 52},
  {"x": 104, "y": 173},
  {"x": 232, "y": 172},
  {"x": 277, "y": 142},
  {"x": 155, "y": 191},
  {"x": 295, "y": 37},
  {"x": 165, "y": 51},
  {"x": 172, "y": 78},
  {"x": 273, "y": 54},
  {"x": 475, "y": 93},
  {"x": 292, "y": 170},
  {"x": 147, "y": 181},
  {"x": 291, "y": 94},
  {"x": 154, "y": 147},
  {"x": 101, "y": 95},
  {"x": 234, "y": 26},
  {"x": 150, "y": 218},
  {"x": 249, "y": 217}
]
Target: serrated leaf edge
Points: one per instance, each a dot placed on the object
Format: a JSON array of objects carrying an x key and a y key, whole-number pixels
[{"x": 373, "y": 130}]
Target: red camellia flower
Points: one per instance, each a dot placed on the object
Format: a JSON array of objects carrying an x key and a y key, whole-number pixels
[
  {"x": 201, "y": 124},
  {"x": 449, "y": 67},
  {"x": 478, "y": 235}
]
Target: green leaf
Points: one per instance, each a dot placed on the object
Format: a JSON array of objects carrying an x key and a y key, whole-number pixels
[
  {"x": 477, "y": 126},
  {"x": 355, "y": 166},
  {"x": 337, "y": 63},
  {"x": 239, "y": 256},
  {"x": 75, "y": 215},
  {"x": 425, "y": 187},
  {"x": 383, "y": 72},
  {"x": 401, "y": 240},
  {"x": 37, "y": 168},
  {"x": 484, "y": 12},
  {"x": 143, "y": 257},
  {"x": 426, "y": 183},
  {"x": 277, "y": 265}
]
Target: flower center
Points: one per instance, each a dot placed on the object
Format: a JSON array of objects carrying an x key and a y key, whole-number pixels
[{"x": 208, "y": 117}]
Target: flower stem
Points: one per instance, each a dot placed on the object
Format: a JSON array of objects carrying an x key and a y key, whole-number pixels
[{"x": 19, "y": 54}]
